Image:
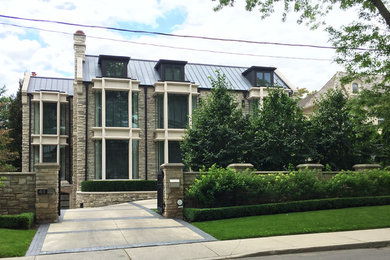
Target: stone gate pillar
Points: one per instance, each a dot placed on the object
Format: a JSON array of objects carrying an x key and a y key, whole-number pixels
[
  {"x": 173, "y": 192},
  {"x": 46, "y": 192}
]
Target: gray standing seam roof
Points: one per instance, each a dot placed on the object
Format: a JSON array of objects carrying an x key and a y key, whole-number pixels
[
  {"x": 62, "y": 85},
  {"x": 143, "y": 70}
]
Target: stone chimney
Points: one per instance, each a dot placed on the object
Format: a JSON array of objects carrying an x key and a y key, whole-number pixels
[{"x": 79, "y": 53}]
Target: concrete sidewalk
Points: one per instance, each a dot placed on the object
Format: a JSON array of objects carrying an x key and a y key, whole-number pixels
[{"x": 241, "y": 247}]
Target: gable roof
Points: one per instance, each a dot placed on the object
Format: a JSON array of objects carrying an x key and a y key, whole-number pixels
[
  {"x": 144, "y": 71},
  {"x": 63, "y": 85}
]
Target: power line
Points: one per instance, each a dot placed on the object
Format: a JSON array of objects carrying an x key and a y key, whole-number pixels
[
  {"x": 173, "y": 47},
  {"x": 175, "y": 35}
]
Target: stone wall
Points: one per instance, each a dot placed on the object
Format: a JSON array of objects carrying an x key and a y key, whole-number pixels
[
  {"x": 99, "y": 199},
  {"x": 18, "y": 193}
]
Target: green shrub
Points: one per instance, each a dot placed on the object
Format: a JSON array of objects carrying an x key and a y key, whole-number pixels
[
  {"x": 222, "y": 187},
  {"x": 360, "y": 183},
  {"x": 196, "y": 214},
  {"x": 128, "y": 185},
  {"x": 20, "y": 221}
]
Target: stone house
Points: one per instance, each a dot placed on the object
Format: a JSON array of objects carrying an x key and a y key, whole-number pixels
[{"x": 121, "y": 118}]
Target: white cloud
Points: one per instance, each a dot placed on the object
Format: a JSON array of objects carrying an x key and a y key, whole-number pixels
[{"x": 51, "y": 54}]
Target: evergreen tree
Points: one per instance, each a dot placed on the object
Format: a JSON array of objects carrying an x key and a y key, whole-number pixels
[
  {"x": 333, "y": 132},
  {"x": 217, "y": 132},
  {"x": 279, "y": 133}
]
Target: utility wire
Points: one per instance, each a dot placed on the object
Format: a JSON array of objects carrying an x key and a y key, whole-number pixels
[
  {"x": 175, "y": 35},
  {"x": 173, "y": 47}
]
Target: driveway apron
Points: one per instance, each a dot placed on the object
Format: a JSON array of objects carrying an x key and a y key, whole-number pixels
[{"x": 124, "y": 225}]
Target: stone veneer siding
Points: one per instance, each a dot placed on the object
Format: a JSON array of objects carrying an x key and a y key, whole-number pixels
[
  {"x": 99, "y": 199},
  {"x": 18, "y": 193},
  {"x": 25, "y": 134}
]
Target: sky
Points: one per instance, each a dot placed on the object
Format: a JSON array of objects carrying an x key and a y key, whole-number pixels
[{"x": 51, "y": 54}]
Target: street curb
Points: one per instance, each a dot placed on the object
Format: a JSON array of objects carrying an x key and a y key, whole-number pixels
[{"x": 363, "y": 245}]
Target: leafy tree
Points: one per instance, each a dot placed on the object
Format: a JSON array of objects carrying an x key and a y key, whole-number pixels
[
  {"x": 333, "y": 131},
  {"x": 15, "y": 125},
  {"x": 217, "y": 131},
  {"x": 278, "y": 133},
  {"x": 6, "y": 155},
  {"x": 362, "y": 46},
  {"x": 4, "y": 108}
]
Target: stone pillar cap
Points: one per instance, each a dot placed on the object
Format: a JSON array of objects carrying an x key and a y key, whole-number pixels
[
  {"x": 172, "y": 165},
  {"x": 241, "y": 165},
  {"x": 367, "y": 166},
  {"x": 47, "y": 165}
]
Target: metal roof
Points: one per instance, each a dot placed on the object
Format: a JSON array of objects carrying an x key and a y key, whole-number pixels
[
  {"x": 143, "y": 70},
  {"x": 51, "y": 84}
]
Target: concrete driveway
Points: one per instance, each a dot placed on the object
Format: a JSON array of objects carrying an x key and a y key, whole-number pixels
[{"x": 118, "y": 226}]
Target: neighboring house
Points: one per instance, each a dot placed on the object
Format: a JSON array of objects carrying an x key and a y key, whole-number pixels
[
  {"x": 350, "y": 90},
  {"x": 121, "y": 118}
]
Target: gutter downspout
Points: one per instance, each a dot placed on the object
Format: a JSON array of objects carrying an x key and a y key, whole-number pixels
[
  {"x": 70, "y": 145},
  {"x": 86, "y": 132},
  {"x": 146, "y": 131}
]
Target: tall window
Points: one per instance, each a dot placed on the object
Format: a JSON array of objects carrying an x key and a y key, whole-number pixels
[
  {"x": 117, "y": 113},
  {"x": 135, "y": 159},
  {"x": 117, "y": 159},
  {"x": 173, "y": 72},
  {"x": 98, "y": 108},
  {"x": 134, "y": 109},
  {"x": 36, "y": 118},
  {"x": 98, "y": 159},
  {"x": 160, "y": 111},
  {"x": 263, "y": 79},
  {"x": 177, "y": 111},
  {"x": 49, "y": 118},
  {"x": 355, "y": 88},
  {"x": 63, "y": 108}
]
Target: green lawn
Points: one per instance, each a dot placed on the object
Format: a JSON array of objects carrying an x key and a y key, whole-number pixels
[
  {"x": 15, "y": 242},
  {"x": 297, "y": 223}
]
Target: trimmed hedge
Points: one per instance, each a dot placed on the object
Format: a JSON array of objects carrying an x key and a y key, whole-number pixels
[
  {"x": 197, "y": 214},
  {"x": 130, "y": 185},
  {"x": 20, "y": 221}
]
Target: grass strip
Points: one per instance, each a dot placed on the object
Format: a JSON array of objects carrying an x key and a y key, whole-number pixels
[
  {"x": 298, "y": 223},
  {"x": 15, "y": 242}
]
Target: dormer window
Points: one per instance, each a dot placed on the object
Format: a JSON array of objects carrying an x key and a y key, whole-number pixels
[
  {"x": 260, "y": 76},
  {"x": 171, "y": 70},
  {"x": 355, "y": 88},
  {"x": 113, "y": 66},
  {"x": 263, "y": 79}
]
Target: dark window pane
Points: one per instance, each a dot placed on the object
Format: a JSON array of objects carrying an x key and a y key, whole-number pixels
[
  {"x": 160, "y": 153},
  {"x": 267, "y": 78},
  {"x": 50, "y": 118},
  {"x": 160, "y": 111},
  {"x": 117, "y": 113},
  {"x": 355, "y": 88},
  {"x": 63, "y": 119},
  {"x": 49, "y": 153},
  {"x": 98, "y": 159},
  {"x": 135, "y": 157},
  {"x": 279, "y": 82},
  {"x": 177, "y": 111},
  {"x": 35, "y": 155},
  {"x": 174, "y": 152},
  {"x": 134, "y": 109},
  {"x": 36, "y": 118},
  {"x": 98, "y": 108},
  {"x": 194, "y": 103},
  {"x": 113, "y": 69},
  {"x": 117, "y": 159},
  {"x": 173, "y": 72}
]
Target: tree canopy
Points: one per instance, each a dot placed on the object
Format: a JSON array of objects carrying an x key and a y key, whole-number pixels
[{"x": 216, "y": 134}]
